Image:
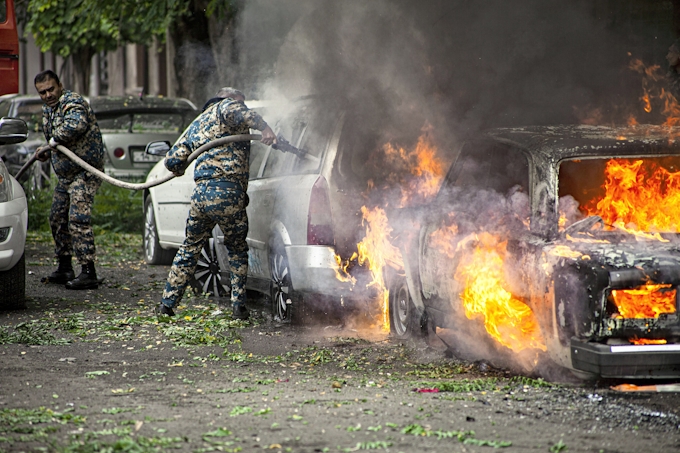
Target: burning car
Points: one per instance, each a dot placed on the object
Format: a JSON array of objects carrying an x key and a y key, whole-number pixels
[{"x": 556, "y": 240}]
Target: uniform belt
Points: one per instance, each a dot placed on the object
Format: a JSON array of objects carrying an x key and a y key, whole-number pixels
[{"x": 225, "y": 184}]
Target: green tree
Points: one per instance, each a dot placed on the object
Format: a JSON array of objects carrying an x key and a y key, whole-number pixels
[{"x": 81, "y": 28}]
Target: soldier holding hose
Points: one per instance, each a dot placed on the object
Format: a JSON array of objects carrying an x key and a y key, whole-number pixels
[
  {"x": 68, "y": 120},
  {"x": 220, "y": 198}
]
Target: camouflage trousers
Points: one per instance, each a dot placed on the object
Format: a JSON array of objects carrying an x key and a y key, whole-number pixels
[
  {"x": 212, "y": 203},
  {"x": 71, "y": 216}
]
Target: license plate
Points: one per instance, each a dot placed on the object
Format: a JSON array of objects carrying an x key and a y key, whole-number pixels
[{"x": 141, "y": 156}]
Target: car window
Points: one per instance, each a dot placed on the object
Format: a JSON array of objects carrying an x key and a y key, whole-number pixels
[
  {"x": 31, "y": 112},
  {"x": 277, "y": 161},
  {"x": 4, "y": 108},
  {"x": 315, "y": 137},
  {"x": 3, "y": 13},
  {"x": 142, "y": 123},
  {"x": 258, "y": 152}
]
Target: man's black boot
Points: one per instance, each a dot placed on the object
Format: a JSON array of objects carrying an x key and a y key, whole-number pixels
[
  {"x": 86, "y": 280},
  {"x": 64, "y": 272},
  {"x": 240, "y": 312},
  {"x": 164, "y": 310}
]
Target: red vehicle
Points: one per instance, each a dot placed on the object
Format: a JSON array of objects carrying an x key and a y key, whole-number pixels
[{"x": 9, "y": 49}]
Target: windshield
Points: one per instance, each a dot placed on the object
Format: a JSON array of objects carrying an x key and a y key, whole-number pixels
[
  {"x": 631, "y": 194},
  {"x": 142, "y": 123}
]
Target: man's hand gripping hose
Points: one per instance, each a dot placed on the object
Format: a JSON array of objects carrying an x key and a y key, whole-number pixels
[{"x": 140, "y": 186}]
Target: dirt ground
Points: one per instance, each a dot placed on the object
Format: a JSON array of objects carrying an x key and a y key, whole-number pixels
[{"x": 95, "y": 371}]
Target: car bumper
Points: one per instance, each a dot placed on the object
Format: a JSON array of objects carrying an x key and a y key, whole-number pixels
[
  {"x": 13, "y": 215},
  {"x": 313, "y": 270},
  {"x": 626, "y": 361}
]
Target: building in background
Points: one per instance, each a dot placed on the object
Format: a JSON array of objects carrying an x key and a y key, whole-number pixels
[{"x": 130, "y": 70}]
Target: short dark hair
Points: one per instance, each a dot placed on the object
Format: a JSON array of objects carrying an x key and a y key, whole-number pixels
[{"x": 44, "y": 75}]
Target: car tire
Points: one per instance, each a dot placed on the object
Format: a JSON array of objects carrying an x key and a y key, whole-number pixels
[
  {"x": 153, "y": 252},
  {"x": 286, "y": 302},
  {"x": 404, "y": 320},
  {"x": 13, "y": 286},
  {"x": 208, "y": 277}
]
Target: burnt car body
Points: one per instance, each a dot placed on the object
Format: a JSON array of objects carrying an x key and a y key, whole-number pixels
[
  {"x": 128, "y": 123},
  {"x": 536, "y": 191}
]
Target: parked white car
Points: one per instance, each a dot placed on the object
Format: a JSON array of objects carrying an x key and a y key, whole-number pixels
[
  {"x": 299, "y": 215},
  {"x": 13, "y": 223}
]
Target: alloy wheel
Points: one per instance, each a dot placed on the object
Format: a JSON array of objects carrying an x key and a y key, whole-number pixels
[
  {"x": 208, "y": 273},
  {"x": 281, "y": 287}
]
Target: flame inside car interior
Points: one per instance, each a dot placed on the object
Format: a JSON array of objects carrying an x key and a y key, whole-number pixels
[{"x": 647, "y": 301}]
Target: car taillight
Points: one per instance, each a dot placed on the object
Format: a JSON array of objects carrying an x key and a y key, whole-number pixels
[
  {"x": 319, "y": 225},
  {"x": 119, "y": 153}
]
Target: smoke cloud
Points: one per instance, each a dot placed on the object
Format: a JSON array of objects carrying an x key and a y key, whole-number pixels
[{"x": 445, "y": 68}]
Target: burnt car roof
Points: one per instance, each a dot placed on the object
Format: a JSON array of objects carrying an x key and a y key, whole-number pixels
[
  {"x": 582, "y": 141},
  {"x": 113, "y": 105}
]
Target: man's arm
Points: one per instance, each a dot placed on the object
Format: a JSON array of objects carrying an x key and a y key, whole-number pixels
[
  {"x": 235, "y": 113},
  {"x": 175, "y": 160}
]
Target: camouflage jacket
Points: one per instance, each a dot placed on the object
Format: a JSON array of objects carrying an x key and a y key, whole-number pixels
[
  {"x": 72, "y": 123},
  {"x": 228, "y": 162}
]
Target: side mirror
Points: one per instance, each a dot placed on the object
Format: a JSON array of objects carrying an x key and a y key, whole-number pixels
[
  {"x": 12, "y": 130},
  {"x": 157, "y": 148}
]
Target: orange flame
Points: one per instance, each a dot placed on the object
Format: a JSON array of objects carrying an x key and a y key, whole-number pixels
[
  {"x": 423, "y": 164},
  {"x": 639, "y": 198},
  {"x": 647, "y": 301},
  {"x": 376, "y": 251},
  {"x": 636, "y": 340},
  {"x": 507, "y": 319}
]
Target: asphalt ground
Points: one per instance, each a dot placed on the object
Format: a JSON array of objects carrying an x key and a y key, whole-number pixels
[{"x": 86, "y": 371}]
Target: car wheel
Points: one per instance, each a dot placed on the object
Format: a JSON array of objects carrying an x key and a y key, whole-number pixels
[
  {"x": 286, "y": 303},
  {"x": 404, "y": 322},
  {"x": 207, "y": 277},
  {"x": 13, "y": 286},
  {"x": 153, "y": 253}
]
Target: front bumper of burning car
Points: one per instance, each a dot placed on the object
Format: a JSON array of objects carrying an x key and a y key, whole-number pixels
[
  {"x": 626, "y": 361},
  {"x": 313, "y": 270}
]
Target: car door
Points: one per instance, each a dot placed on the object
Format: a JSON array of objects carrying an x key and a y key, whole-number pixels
[{"x": 262, "y": 191}]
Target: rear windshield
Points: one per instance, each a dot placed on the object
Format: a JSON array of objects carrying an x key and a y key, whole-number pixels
[
  {"x": 640, "y": 194},
  {"x": 143, "y": 123}
]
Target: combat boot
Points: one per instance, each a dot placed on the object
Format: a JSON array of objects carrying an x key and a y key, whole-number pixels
[
  {"x": 86, "y": 280},
  {"x": 64, "y": 272},
  {"x": 240, "y": 312},
  {"x": 164, "y": 310}
]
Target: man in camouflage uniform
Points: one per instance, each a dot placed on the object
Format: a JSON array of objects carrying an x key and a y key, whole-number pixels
[
  {"x": 220, "y": 198},
  {"x": 68, "y": 120}
]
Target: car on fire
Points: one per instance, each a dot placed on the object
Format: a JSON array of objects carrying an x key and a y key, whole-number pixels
[
  {"x": 128, "y": 123},
  {"x": 559, "y": 240},
  {"x": 13, "y": 223}
]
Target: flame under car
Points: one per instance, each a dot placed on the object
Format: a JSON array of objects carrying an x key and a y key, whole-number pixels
[{"x": 552, "y": 240}]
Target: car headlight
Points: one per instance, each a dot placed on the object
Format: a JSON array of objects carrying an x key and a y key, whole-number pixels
[{"x": 6, "y": 192}]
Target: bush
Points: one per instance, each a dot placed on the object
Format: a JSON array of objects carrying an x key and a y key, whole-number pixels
[
  {"x": 115, "y": 209},
  {"x": 118, "y": 210}
]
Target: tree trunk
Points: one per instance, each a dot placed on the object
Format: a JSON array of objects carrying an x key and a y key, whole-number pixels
[
  {"x": 194, "y": 60},
  {"x": 81, "y": 70},
  {"x": 223, "y": 40}
]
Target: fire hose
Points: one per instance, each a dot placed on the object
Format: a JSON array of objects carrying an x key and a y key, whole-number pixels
[{"x": 281, "y": 144}]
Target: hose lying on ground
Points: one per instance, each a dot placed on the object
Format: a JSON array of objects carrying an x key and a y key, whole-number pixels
[{"x": 140, "y": 186}]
